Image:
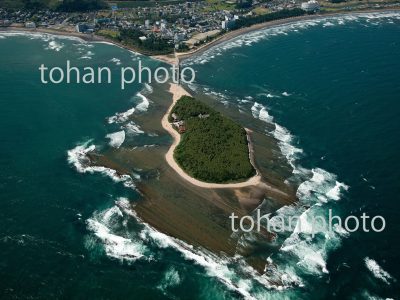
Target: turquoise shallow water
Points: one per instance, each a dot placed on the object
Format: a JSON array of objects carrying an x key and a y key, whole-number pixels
[{"x": 333, "y": 87}]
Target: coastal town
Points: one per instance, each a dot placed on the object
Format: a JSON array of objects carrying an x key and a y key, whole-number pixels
[{"x": 167, "y": 26}]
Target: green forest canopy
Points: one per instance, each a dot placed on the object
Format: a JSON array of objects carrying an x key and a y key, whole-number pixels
[
  {"x": 213, "y": 149},
  {"x": 64, "y": 5}
]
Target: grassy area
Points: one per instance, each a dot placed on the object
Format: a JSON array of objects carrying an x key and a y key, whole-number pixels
[
  {"x": 261, "y": 11},
  {"x": 19, "y": 4},
  {"x": 108, "y": 33},
  {"x": 213, "y": 148},
  {"x": 216, "y": 5},
  {"x": 64, "y": 5},
  {"x": 140, "y": 3}
]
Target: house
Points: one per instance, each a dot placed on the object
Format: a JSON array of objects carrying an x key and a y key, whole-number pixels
[
  {"x": 174, "y": 116},
  {"x": 30, "y": 25},
  {"x": 310, "y": 6},
  {"x": 205, "y": 116},
  {"x": 182, "y": 128},
  {"x": 85, "y": 28}
]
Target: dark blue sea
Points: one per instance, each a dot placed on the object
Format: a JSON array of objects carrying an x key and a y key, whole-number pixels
[{"x": 330, "y": 88}]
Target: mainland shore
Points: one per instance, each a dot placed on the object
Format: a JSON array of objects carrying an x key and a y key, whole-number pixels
[
  {"x": 170, "y": 59},
  {"x": 173, "y": 59}
]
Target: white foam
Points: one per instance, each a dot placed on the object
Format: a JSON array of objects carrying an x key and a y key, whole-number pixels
[
  {"x": 88, "y": 55},
  {"x": 54, "y": 45},
  {"x": 148, "y": 88},
  {"x": 116, "y": 61},
  {"x": 334, "y": 193},
  {"x": 144, "y": 104},
  {"x": 302, "y": 252},
  {"x": 286, "y": 94},
  {"x": 269, "y": 95},
  {"x": 171, "y": 278},
  {"x": 328, "y": 24},
  {"x": 377, "y": 270},
  {"x": 46, "y": 37},
  {"x": 79, "y": 159},
  {"x": 116, "y": 138},
  {"x": 121, "y": 117},
  {"x": 132, "y": 128},
  {"x": 251, "y": 38},
  {"x": 214, "y": 265},
  {"x": 284, "y": 142},
  {"x": 260, "y": 112},
  {"x": 115, "y": 245}
]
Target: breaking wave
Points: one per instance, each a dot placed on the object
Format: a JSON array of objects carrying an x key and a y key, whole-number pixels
[
  {"x": 304, "y": 251},
  {"x": 78, "y": 157},
  {"x": 132, "y": 128},
  {"x": 110, "y": 228},
  {"x": 371, "y": 18},
  {"x": 116, "y": 138},
  {"x": 54, "y": 45},
  {"x": 121, "y": 117},
  {"x": 260, "y": 112},
  {"x": 116, "y": 61},
  {"x": 377, "y": 270},
  {"x": 144, "y": 104},
  {"x": 171, "y": 278}
]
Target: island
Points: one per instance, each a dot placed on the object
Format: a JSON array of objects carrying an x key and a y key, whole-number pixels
[
  {"x": 213, "y": 148},
  {"x": 209, "y": 149}
]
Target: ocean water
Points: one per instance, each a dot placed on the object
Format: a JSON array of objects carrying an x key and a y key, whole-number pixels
[{"x": 329, "y": 86}]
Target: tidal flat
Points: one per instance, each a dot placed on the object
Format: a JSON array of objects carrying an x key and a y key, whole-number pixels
[{"x": 195, "y": 215}]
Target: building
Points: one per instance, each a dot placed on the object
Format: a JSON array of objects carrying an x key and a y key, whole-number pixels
[
  {"x": 310, "y": 6},
  {"x": 227, "y": 23},
  {"x": 179, "y": 37},
  {"x": 163, "y": 26},
  {"x": 30, "y": 25},
  {"x": 182, "y": 128},
  {"x": 85, "y": 28},
  {"x": 174, "y": 117}
]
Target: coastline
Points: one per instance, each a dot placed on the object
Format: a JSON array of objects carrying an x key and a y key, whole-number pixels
[
  {"x": 177, "y": 91},
  {"x": 173, "y": 59},
  {"x": 236, "y": 33}
]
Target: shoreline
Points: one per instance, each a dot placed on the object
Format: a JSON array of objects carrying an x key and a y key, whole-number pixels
[
  {"x": 173, "y": 59},
  {"x": 177, "y": 92},
  {"x": 236, "y": 33}
]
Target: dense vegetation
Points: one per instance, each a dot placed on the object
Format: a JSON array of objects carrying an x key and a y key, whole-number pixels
[
  {"x": 144, "y": 3},
  {"x": 213, "y": 149},
  {"x": 64, "y": 5},
  {"x": 152, "y": 45},
  {"x": 282, "y": 14}
]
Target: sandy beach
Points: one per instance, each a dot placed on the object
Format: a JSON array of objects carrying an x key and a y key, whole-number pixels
[
  {"x": 178, "y": 91},
  {"x": 173, "y": 59},
  {"x": 233, "y": 34}
]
